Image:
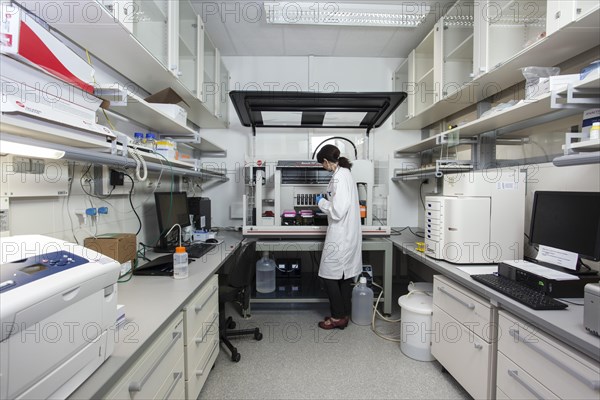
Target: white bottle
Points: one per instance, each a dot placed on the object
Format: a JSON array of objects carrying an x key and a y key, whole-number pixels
[
  {"x": 265, "y": 274},
  {"x": 595, "y": 131},
  {"x": 362, "y": 303},
  {"x": 180, "y": 263}
]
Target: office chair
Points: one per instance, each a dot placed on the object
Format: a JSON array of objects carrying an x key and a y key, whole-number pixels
[{"x": 236, "y": 286}]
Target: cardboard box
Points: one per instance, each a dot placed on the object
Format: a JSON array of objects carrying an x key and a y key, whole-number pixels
[
  {"x": 167, "y": 101},
  {"x": 118, "y": 246},
  {"x": 166, "y": 96}
]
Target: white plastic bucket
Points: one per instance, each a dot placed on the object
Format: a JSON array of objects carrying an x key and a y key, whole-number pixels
[
  {"x": 420, "y": 287},
  {"x": 415, "y": 326}
]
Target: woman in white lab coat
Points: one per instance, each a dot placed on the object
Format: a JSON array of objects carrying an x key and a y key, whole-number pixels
[{"x": 341, "y": 261}]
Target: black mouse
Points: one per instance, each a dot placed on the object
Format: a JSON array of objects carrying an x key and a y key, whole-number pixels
[{"x": 212, "y": 241}]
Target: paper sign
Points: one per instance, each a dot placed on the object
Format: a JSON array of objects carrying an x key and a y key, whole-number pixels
[{"x": 562, "y": 258}]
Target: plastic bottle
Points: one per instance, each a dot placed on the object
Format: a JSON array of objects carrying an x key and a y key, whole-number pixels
[
  {"x": 151, "y": 141},
  {"x": 265, "y": 274},
  {"x": 595, "y": 131},
  {"x": 180, "y": 263},
  {"x": 362, "y": 303},
  {"x": 138, "y": 138}
]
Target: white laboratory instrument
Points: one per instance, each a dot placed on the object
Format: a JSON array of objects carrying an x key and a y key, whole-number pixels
[
  {"x": 284, "y": 200},
  {"x": 58, "y": 308},
  {"x": 479, "y": 219}
]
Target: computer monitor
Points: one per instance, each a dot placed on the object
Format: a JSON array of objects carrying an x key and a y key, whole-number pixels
[
  {"x": 171, "y": 209},
  {"x": 568, "y": 221}
]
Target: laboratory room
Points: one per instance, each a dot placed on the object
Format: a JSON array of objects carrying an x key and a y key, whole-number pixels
[{"x": 300, "y": 199}]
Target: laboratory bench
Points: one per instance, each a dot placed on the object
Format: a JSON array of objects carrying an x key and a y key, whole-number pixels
[
  {"x": 508, "y": 350},
  {"x": 157, "y": 321}
]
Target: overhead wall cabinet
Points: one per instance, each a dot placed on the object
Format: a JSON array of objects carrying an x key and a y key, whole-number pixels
[
  {"x": 425, "y": 59},
  {"x": 480, "y": 50},
  {"x": 148, "y": 22},
  {"x": 504, "y": 29},
  {"x": 563, "y": 12},
  {"x": 457, "y": 47},
  {"x": 190, "y": 47},
  {"x": 507, "y": 36}
]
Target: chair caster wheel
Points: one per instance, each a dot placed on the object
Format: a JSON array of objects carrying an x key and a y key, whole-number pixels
[
  {"x": 236, "y": 357},
  {"x": 258, "y": 336},
  {"x": 231, "y": 325}
]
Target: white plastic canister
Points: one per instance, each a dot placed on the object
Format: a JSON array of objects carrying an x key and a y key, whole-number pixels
[
  {"x": 415, "y": 326},
  {"x": 426, "y": 287}
]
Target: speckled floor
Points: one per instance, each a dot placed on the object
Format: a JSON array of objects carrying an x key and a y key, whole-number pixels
[{"x": 297, "y": 360}]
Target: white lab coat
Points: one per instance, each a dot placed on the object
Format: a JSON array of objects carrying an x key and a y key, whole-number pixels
[{"x": 342, "y": 255}]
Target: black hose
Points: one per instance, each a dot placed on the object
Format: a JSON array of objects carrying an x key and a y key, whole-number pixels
[{"x": 340, "y": 138}]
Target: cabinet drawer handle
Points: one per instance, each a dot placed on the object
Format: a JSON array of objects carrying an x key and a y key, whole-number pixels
[
  {"x": 201, "y": 371},
  {"x": 201, "y": 306},
  {"x": 478, "y": 346},
  {"x": 470, "y": 306},
  {"x": 176, "y": 377},
  {"x": 515, "y": 375},
  {"x": 592, "y": 384},
  {"x": 201, "y": 340},
  {"x": 137, "y": 386}
]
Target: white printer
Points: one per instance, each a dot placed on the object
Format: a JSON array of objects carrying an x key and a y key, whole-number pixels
[{"x": 58, "y": 306}]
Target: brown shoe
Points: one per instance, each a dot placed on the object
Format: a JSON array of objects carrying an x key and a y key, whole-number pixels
[{"x": 332, "y": 324}]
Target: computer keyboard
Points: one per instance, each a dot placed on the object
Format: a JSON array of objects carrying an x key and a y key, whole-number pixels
[
  {"x": 519, "y": 292},
  {"x": 194, "y": 250},
  {"x": 197, "y": 250}
]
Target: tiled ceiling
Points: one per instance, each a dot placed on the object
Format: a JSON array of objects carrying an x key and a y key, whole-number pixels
[{"x": 238, "y": 28}]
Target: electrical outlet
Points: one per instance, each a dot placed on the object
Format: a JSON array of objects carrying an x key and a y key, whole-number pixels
[
  {"x": 116, "y": 178},
  {"x": 105, "y": 177}
]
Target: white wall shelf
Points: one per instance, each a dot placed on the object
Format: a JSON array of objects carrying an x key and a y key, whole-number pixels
[
  {"x": 80, "y": 146},
  {"x": 522, "y": 111},
  {"x": 28, "y": 127},
  {"x": 561, "y": 45},
  {"x": 586, "y": 145},
  {"x": 582, "y": 94},
  {"x": 442, "y": 167},
  {"x": 143, "y": 112},
  {"x": 106, "y": 38}
]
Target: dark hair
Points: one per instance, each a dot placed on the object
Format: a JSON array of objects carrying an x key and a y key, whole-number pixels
[{"x": 332, "y": 154}]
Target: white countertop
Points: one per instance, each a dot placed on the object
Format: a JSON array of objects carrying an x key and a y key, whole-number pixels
[
  {"x": 565, "y": 325},
  {"x": 151, "y": 302}
]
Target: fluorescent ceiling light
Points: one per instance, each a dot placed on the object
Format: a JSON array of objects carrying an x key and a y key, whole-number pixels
[
  {"x": 26, "y": 150},
  {"x": 409, "y": 14}
]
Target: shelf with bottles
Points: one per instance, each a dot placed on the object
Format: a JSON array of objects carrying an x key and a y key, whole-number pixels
[{"x": 567, "y": 42}]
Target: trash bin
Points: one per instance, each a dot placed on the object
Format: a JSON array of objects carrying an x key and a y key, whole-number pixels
[
  {"x": 415, "y": 326},
  {"x": 425, "y": 287}
]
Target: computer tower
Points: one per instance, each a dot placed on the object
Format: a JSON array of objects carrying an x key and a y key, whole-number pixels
[{"x": 199, "y": 207}]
